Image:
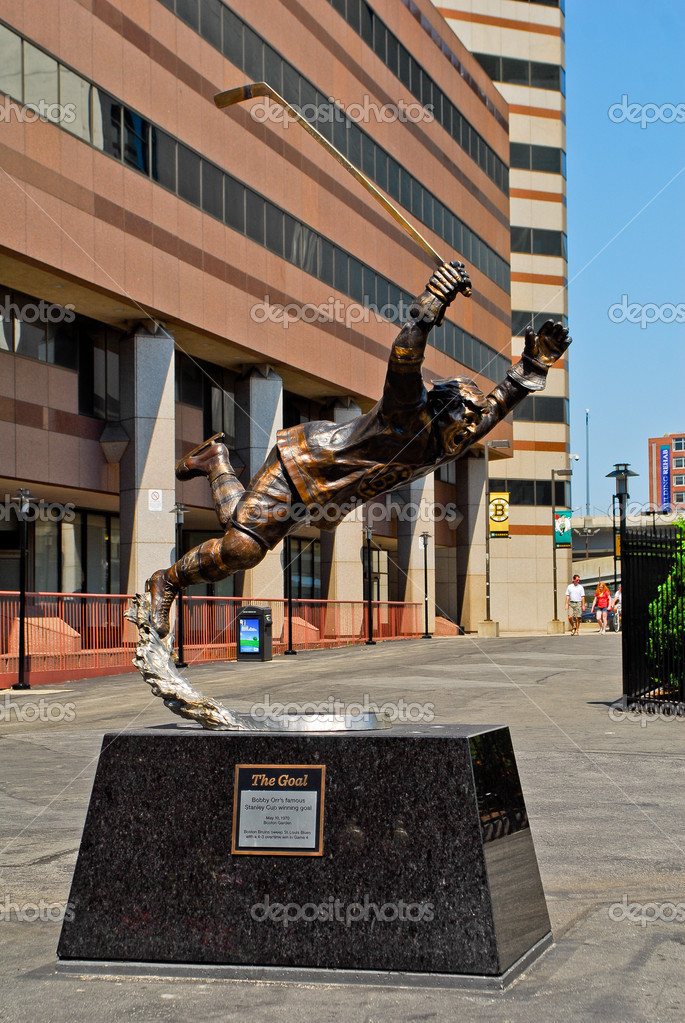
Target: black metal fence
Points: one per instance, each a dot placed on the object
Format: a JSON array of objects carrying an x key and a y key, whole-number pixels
[{"x": 653, "y": 580}]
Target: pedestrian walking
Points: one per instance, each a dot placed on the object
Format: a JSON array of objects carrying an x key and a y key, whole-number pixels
[
  {"x": 575, "y": 604},
  {"x": 602, "y": 603}
]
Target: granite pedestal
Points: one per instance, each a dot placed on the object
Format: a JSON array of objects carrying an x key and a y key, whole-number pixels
[{"x": 428, "y": 864}]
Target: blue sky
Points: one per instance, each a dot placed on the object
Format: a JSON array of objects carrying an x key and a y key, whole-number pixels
[{"x": 631, "y": 378}]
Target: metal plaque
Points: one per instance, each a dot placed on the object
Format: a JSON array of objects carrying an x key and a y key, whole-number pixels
[{"x": 278, "y": 810}]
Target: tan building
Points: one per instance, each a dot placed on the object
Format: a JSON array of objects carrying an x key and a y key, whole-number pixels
[
  {"x": 521, "y": 46},
  {"x": 170, "y": 269}
]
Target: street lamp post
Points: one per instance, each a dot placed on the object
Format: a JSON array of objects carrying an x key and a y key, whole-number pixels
[
  {"x": 562, "y": 474},
  {"x": 368, "y": 532},
  {"x": 622, "y": 473},
  {"x": 180, "y": 511},
  {"x": 489, "y": 444},
  {"x": 424, "y": 541},
  {"x": 24, "y": 496}
]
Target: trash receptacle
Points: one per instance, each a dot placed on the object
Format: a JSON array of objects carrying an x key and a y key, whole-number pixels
[{"x": 253, "y": 631}]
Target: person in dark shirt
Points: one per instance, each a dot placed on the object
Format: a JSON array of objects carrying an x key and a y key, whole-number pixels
[{"x": 319, "y": 470}]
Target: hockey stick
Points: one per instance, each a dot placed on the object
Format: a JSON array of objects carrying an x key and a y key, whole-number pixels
[{"x": 245, "y": 92}]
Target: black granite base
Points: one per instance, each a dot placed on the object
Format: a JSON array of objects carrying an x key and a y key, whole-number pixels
[{"x": 428, "y": 863}]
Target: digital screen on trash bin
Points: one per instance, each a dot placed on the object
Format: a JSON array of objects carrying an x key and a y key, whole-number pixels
[{"x": 248, "y": 637}]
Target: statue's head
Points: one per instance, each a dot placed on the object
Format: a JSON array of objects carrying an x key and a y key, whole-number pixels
[{"x": 456, "y": 406}]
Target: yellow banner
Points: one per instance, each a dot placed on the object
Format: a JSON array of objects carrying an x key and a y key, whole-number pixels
[{"x": 499, "y": 513}]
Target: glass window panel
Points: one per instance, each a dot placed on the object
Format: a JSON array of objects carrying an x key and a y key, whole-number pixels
[
  {"x": 326, "y": 267},
  {"x": 234, "y": 203},
  {"x": 10, "y": 64},
  {"x": 308, "y": 100},
  {"x": 253, "y": 55},
  {"x": 340, "y": 130},
  {"x": 99, "y": 379},
  {"x": 7, "y": 330},
  {"x": 340, "y": 271},
  {"x": 96, "y": 553},
  {"x": 189, "y": 166},
  {"x": 369, "y": 286},
  {"x": 74, "y": 98},
  {"x": 382, "y": 296},
  {"x": 546, "y": 159},
  {"x": 520, "y": 239},
  {"x": 366, "y": 23},
  {"x": 404, "y": 66},
  {"x": 273, "y": 69},
  {"x": 545, "y": 243},
  {"x": 356, "y": 290},
  {"x": 232, "y": 37},
  {"x": 290, "y": 239},
  {"x": 393, "y": 178},
  {"x": 40, "y": 79},
  {"x": 188, "y": 11},
  {"x": 62, "y": 340},
  {"x": 515, "y": 72},
  {"x": 163, "y": 158},
  {"x": 519, "y": 155},
  {"x": 115, "y": 555},
  {"x": 545, "y": 76},
  {"x": 291, "y": 84},
  {"x": 46, "y": 541},
  {"x": 254, "y": 216},
  {"x": 368, "y": 161},
  {"x": 210, "y": 22},
  {"x": 354, "y": 143},
  {"x": 392, "y": 59},
  {"x": 212, "y": 190},
  {"x": 414, "y": 76},
  {"x": 380, "y": 35},
  {"x": 136, "y": 141},
  {"x": 543, "y": 492},
  {"x": 354, "y": 14},
  {"x": 113, "y": 399},
  {"x": 30, "y": 335},
  {"x": 106, "y": 122},
  {"x": 72, "y": 567},
  {"x": 274, "y": 229},
  {"x": 490, "y": 64}
]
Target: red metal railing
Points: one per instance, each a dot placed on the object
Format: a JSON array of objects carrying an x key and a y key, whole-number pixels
[{"x": 77, "y": 635}]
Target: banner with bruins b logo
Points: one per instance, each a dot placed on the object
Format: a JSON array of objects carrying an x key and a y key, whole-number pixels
[{"x": 499, "y": 513}]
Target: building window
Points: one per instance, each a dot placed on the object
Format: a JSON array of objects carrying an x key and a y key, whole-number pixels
[
  {"x": 98, "y": 348},
  {"x": 538, "y": 241},
  {"x": 534, "y": 493},
  {"x": 523, "y": 72},
  {"x": 679, "y": 444},
  {"x": 679, "y": 481},
  {"x": 679, "y": 463},
  {"x": 522, "y": 320},
  {"x": 305, "y": 568},
  {"x": 542, "y": 409},
  {"x": 547, "y": 159},
  {"x": 37, "y": 329},
  {"x": 247, "y": 50}
]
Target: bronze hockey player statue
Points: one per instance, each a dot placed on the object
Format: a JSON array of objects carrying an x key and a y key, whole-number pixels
[{"x": 408, "y": 433}]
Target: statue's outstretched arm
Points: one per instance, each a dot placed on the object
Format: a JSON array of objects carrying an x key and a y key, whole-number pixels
[
  {"x": 404, "y": 382},
  {"x": 541, "y": 350}
]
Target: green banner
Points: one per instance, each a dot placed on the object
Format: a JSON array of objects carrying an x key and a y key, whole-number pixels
[{"x": 562, "y": 529}]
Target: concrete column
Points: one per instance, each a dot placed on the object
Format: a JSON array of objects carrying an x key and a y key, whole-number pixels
[
  {"x": 471, "y": 542},
  {"x": 147, "y": 482},
  {"x": 258, "y": 417},
  {"x": 341, "y": 564},
  {"x": 414, "y": 518}
]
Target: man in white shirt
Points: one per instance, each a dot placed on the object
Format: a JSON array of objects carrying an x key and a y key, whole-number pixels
[{"x": 575, "y": 604}]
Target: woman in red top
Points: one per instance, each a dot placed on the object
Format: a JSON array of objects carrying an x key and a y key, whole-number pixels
[{"x": 602, "y": 602}]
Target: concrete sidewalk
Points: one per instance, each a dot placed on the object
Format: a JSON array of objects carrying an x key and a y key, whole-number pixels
[{"x": 604, "y": 792}]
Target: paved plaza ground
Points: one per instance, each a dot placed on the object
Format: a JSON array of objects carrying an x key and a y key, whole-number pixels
[{"x": 605, "y": 794}]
